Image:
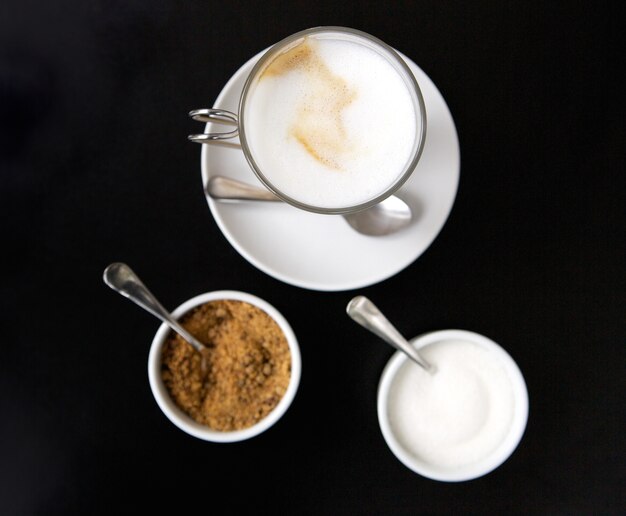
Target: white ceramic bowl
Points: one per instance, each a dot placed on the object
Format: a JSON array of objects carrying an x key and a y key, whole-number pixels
[
  {"x": 488, "y": 463},
  {"x": 185, "y": 422}
]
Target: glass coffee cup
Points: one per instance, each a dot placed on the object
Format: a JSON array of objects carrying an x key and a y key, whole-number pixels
[{"x": 330, "y": 119}]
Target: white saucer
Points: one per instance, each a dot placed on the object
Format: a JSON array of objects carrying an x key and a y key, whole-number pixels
[{"x": 321, "y": 252}]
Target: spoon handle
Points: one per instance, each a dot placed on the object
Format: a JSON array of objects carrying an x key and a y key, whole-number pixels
[
  {"x": 225, "y": 189},
  {"x": 364, "y": 312},
  {"x": 121, "y": 278}
]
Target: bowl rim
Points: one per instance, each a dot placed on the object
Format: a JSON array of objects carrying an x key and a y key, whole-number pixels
[
  {"x": 493, "y": 460},
  {"x": 185, "y": 422}
]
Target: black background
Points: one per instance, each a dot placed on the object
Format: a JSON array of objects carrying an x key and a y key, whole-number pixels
[{"x": 95, "y": 168}]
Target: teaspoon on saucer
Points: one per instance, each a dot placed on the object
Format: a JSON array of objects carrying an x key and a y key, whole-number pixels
[{"x": 384, "y": 218}]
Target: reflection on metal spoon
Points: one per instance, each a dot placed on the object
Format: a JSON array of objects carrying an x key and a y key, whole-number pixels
[{"x": 384, "y": 218}]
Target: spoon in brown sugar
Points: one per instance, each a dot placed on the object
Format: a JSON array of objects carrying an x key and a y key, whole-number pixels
[{"x": 121, "y": 278}]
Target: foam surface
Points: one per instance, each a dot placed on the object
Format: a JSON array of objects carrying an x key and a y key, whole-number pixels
[{"x": 331, "y": 123}]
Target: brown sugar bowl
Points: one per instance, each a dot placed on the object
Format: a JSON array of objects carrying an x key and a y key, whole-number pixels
[{"x": 246, "y": 380}]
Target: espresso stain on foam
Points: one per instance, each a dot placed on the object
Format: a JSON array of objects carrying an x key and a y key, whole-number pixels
[{"x": 318, "y": 125}]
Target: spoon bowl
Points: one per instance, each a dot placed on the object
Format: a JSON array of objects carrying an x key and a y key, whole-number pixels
[{"x": 386, "y": 217}]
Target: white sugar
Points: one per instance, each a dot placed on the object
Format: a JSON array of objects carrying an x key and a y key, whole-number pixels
[{"x": 460, "y": 414}]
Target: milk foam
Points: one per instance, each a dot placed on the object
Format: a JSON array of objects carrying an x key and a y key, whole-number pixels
[
  {"x": 457, "y": 416},
  {"x": 331, "y": 123}
]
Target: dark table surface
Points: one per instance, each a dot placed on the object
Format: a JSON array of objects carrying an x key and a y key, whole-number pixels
[{"x": 95, "y": 168}]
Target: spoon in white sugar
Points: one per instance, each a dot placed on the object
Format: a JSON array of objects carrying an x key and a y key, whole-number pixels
[{"x": 364, "y": 312}]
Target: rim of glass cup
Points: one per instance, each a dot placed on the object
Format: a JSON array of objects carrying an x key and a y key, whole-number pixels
[{"x": 392, "y": 56}]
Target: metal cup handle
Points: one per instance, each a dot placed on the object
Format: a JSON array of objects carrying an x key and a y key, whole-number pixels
[{"x": 214, "y": 115}]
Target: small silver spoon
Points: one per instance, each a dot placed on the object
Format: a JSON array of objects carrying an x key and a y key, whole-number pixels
[
  {"x": 121, "y": 278},
  {"x": 384, "y": 218},
  {"x": 364, "y": 312}
]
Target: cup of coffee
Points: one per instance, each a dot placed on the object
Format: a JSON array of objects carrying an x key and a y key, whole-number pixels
[{"x": 330, "y": 119}]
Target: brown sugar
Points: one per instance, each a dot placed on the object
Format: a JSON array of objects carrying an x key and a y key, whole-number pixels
[{"x": 240, "y": 377}]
